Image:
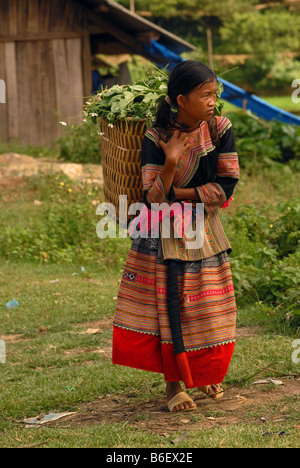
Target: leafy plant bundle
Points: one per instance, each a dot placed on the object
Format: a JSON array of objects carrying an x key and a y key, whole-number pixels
[{"x": 135, "y": 101}]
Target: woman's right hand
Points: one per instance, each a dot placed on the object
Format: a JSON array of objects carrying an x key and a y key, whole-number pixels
[{"x": 177, "y": 145}]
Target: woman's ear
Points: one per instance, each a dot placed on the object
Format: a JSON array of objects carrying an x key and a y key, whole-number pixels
[{"x": 181, "y": 100}]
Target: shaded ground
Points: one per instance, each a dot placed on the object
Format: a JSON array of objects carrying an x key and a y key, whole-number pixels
[{"x": 239, "y": 404}]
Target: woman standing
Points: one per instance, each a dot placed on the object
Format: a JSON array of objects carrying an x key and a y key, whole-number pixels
[{"x": 176, "y": 309}]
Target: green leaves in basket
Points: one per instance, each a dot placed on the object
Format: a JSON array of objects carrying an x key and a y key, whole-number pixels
[
  {"x": 219, "y": 103},
  {"x": 135, "y": 101}
]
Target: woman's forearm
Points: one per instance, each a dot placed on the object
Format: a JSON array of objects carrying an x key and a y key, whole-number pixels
[
  {"x": 186, "y": 194},
  {"x": 167, "y": 176}
]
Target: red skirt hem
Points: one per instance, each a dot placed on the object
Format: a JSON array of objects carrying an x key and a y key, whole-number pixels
[{"x": 142, "y": 351}]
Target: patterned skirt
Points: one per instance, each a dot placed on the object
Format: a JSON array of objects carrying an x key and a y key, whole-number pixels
[{"x": 142, "y": 336}]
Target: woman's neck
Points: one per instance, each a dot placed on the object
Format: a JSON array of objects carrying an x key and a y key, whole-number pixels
[{"x": 185, "y": 121}]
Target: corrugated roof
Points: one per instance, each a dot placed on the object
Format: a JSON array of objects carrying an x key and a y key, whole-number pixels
[{"x": 135, "y": 25}]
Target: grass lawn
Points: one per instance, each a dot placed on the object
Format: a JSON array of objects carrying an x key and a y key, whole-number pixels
[
  {"x": 59, "y": 338},
  {"x": 59, "y": 359}
]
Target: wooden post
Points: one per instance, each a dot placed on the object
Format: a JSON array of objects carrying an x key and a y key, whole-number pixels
[
  {"x": 210, "y": 48},
  {"x": 132, "y": 6}
]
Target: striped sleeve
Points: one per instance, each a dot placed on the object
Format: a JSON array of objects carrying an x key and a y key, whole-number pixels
[
  {"x": 215, "y": 194},
  {"x": 153, "y": 160}
]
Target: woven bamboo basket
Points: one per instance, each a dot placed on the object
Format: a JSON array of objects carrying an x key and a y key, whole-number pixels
[{"x": 121, "y": 147}]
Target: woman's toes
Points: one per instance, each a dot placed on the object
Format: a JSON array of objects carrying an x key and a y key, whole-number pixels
[
  {"x": 178, "y": 408},
  {"x": 184, "y": 406},
  {"x": 213, "y": 391},
  {"x": 177, "y": 400}
]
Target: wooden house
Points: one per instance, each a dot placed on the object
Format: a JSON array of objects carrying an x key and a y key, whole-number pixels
[{"x": 46, "y": 56}]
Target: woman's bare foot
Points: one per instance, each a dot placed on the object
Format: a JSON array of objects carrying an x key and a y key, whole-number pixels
[
  {"x": 173, "y": 389},
  {"x": 213, "y": 391}
]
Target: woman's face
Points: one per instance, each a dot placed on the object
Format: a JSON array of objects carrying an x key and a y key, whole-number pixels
[{"x": 198, "y": 105}]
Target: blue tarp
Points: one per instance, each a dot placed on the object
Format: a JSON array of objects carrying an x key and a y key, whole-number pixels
[
  {"x": 240, "y": 98},
  {"x": 163, "y": 57}
]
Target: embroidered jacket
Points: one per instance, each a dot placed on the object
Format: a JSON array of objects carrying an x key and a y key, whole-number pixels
[{"x": 212, "y": 171}]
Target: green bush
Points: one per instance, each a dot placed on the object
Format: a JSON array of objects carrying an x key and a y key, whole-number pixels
[
  {"x": 281, "y": 74},
  {"x": 266, "y": 141},
  {"x": 265, "y": 257},
  {"x": 61, "y": 229},
  {"x": 265, "y": 242},
  {"x": 262, "y": 73},
  {"x": 80, "y": 144},
  {"x": 261, "y": 33}
]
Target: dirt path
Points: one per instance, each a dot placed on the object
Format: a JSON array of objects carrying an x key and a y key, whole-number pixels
[
  {"x": 240, "y": 404},
  {"x": 14, "y": 167},
  {"x": 266, "y": 400},
  {"x": 152, "y": 415}
]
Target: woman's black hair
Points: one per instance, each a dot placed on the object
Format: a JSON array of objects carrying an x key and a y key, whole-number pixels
[{"x": 185, "y": 77}]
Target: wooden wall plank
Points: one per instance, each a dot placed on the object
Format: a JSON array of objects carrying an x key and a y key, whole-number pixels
[
  {"x": 44, "y": 15},
  {"x": 12, "y": 17},
  {"x": 24, "y": 92},
  {"x": 4, "y": 14},
  {"x": 50, "y": 126},
  {"x": 22, "y": 14},
  {"x": 48, "y": 78},
  {"x": 33, "y": 16},
  {"x": 57, "y": 21},
  {"x": 74, "y": 16},
  {"x": 75, "y": 79},
  {"x": 41, "y": 36},
  {"x": 61, "y": 78},
  {"x": 35, "y": 94},
  {"x": 12, "y": 91},
  {"x": 77, "y": 17},
  {"x": 41, "y": 115},
  {"x": 86, "y": 60},
  {"x": 68, "y": 16}
]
